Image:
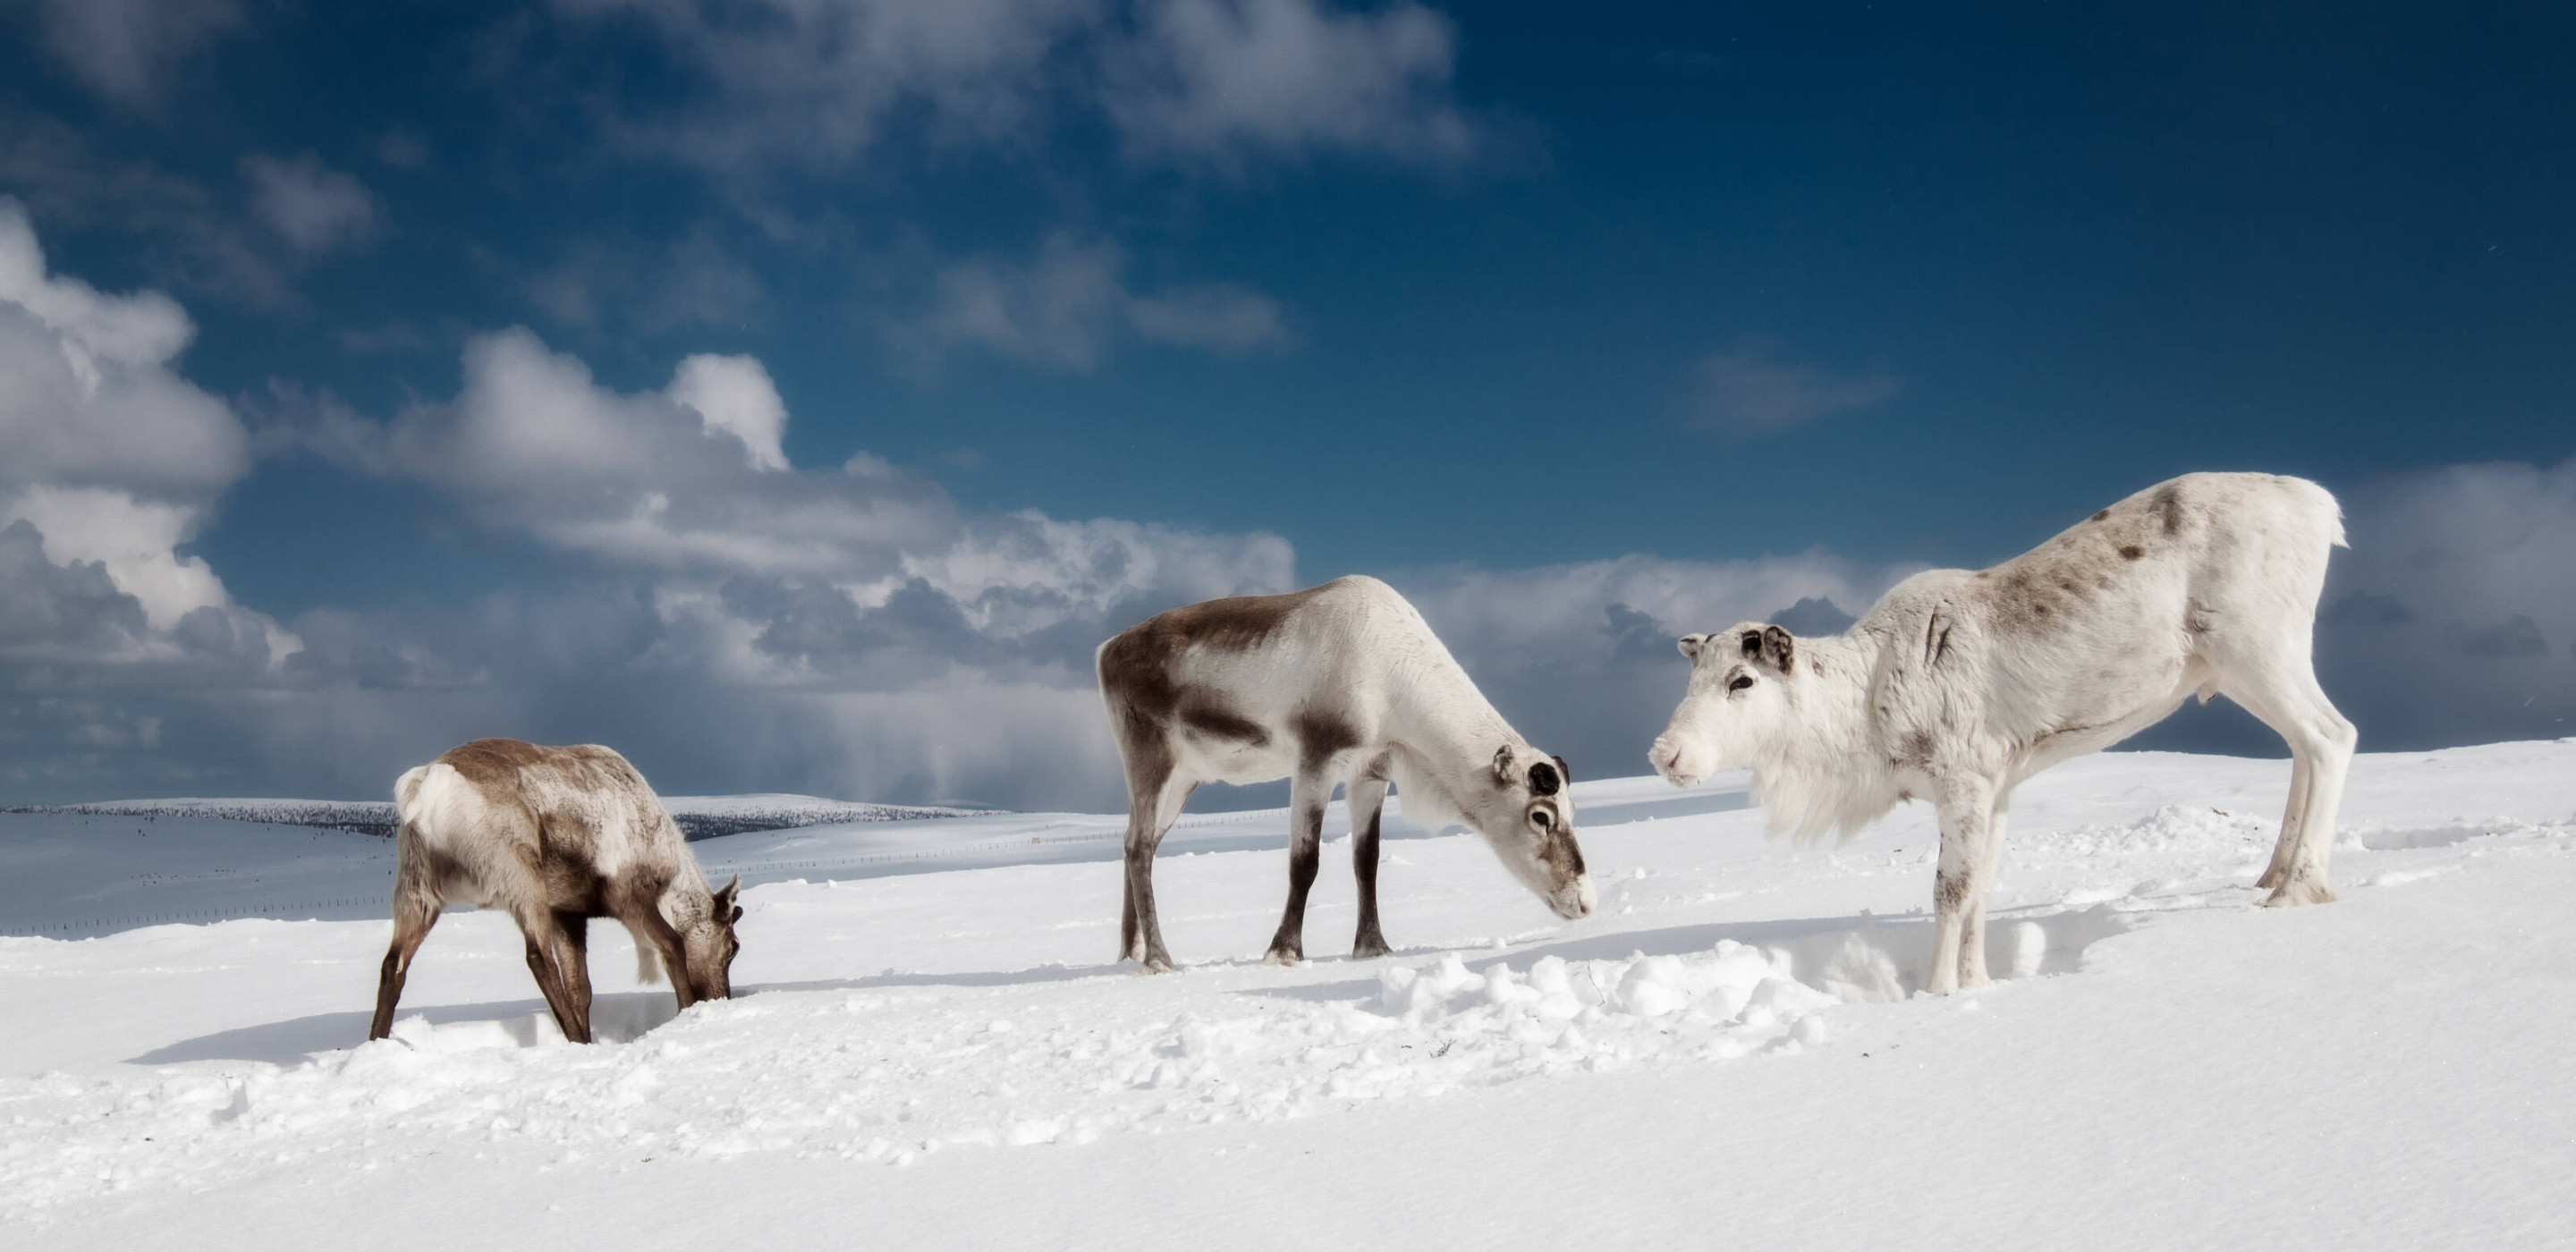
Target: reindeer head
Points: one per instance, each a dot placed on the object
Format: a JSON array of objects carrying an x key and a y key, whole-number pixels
[
  {"x": 1742, "y": 687},
  {"x": 1525, "y": 808},
  {"x": 710, "y": 946}
]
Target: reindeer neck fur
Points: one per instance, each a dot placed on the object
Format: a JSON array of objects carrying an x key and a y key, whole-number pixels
[
  {"x": 1443, "y": 733},
  {"x": 1820, "y": 772}
]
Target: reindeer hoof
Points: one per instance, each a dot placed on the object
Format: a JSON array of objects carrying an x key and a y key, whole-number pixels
[
  {"x": 1369, "y": 949},
  {"x": 1282, "y": 956},
  {"x": 2271, "y": 878},
  {"x": 1154, "y": 965},
  {"x": 2298, "y": 891}
]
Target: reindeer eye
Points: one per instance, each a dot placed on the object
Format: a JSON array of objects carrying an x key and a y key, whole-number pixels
[
  {"x": 1542, "y": 819},
  {"x": 1741, "y": 682}
]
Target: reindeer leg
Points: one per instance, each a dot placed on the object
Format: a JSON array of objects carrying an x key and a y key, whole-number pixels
[
  {"x": 643, "y": 917},
  {"x": 537, "y": 926},
  {"x": 1967, "y": 807},
  {"x": 415, "y": 911},
  {"x": 2285, "y": 850},
  {"x": 1972, "y": 921},
  {"x": 572, "y": 964},
  {"x": 1149, "y": 818},
  {"x": 2282, "y": 691},
  {"x": 1307, "y": 796},
  {"x": 1368, "y": 803}
]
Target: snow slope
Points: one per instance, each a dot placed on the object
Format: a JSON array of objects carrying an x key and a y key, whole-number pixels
[{"x": 931, "y": 1051}]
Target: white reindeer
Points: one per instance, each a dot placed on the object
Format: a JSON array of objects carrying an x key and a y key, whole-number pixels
[
  {"x": 555, "y": 837},
  {"x": 1958, "y": 685},
  {"x": 1339, "y": 683}
]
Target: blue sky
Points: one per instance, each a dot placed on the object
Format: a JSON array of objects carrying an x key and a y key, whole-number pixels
[{"x": 1582, "y": 329}]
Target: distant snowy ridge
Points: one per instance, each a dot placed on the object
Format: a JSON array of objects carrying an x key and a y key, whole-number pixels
[{"x": 700, "y": 817}]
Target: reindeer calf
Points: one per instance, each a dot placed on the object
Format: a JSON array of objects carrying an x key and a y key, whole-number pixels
[{"x": 555, "y": 837}]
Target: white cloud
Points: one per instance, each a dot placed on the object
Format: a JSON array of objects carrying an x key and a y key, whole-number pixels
[
  {"x": 817, "y": 84},
  {"x": 1071, "y": 303},
  {"x": 185, "y": 236},
  {"x": 814, "y": 82},
  {"x": 733, "y": 394},
  {"x": 1747, "y": 390},
  {"x": 109, "y": 461},
  {"x": 127, "y": 49},
  {"x": 135, "y": 541},
  {"x": 91, "y": 395},
  {"x": 314, "y": 208},
  {"x": 532, "y": 443},
  {"x": 1225, "y": 79}
]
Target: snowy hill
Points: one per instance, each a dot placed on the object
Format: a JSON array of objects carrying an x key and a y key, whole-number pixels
[{"x": 930, "y": 1048}]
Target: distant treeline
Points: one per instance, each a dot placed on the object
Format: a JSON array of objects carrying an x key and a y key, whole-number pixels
[{"x": 709, "y": 819}]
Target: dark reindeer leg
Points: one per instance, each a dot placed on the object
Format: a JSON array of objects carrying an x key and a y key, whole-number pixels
[
  {"x": 415, "y": 912},
  {"x": 647, "y": 919},
  {"x": 572, "y": 964},
  {"x": 1368, "y": 803},
  {"x": 538, "y": 928},
  {"x": 1157, "y": 795},
  {"x": 1307, "y": 795}
]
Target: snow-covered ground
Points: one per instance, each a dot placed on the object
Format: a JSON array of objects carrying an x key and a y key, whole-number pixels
[{"x": 928, "y": 1048}]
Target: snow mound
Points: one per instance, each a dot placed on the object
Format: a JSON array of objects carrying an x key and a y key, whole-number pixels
[{"x": 885, "y": 1075}]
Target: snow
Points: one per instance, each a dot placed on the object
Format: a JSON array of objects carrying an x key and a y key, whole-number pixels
[{"x": 928, "y": 1047}]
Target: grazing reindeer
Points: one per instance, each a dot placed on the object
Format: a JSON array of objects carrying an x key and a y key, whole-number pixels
[
  {"x": 555, "y": 836},
  {"x": 1339, "y": 683},
  {"x": 1957, "y": 686}
]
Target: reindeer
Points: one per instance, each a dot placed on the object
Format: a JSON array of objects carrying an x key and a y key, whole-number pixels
[
  {"x": 1957, "y": 686},
  {"x": 555, "y": 836},
  {"x": 1339, "y": 683}
]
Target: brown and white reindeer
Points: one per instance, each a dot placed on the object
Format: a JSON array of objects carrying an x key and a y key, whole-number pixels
[
  {"x": 554, "y": 837},
  {"x": 1957, "y": 686},
  {"x": 1339, "y": 683}
]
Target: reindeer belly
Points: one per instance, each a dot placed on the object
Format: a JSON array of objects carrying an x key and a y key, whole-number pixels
[{"x": 1236, "y": 760}]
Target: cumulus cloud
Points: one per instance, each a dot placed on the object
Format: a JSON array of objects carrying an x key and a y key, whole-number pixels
[
  {"x": 109, "y": 462},
  {"x": 127, "y": 49},
  {"x": 1224, "y": 80},
  {"x": 1065, "y": 308},
  {"x": 733, "y": 394},
  {"x": 687, "y": 477},
  {"x": 843, "y": 629},
  {"x": 1747, "y": 390},
  {"x": 314, "y": 208}
]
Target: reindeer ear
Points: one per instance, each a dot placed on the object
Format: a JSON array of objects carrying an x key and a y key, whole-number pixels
[
  {"x": 1690, "y": 645},
  {"x": 1543, "y": 779},
  {"x": 1778, "y": 648},
  {"x": 1565, "y": 770},
  {"x": 725, "y": 897},
  {"x": 1503, "y": 764}
]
